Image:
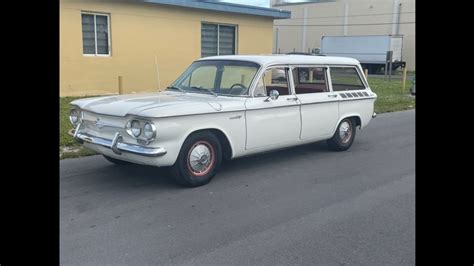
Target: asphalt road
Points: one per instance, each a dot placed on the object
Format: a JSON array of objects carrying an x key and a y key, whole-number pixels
[{"x": 301, "y": 206}]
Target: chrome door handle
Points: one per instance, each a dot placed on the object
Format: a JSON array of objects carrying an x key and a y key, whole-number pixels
[
  {"x": 291, "y": 99},
  {"x": 332, "y": 95}
]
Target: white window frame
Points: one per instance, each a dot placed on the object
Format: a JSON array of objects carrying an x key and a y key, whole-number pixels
[
  {"x": 218, "y": 37},
  {"x": 95, "y": 33}
]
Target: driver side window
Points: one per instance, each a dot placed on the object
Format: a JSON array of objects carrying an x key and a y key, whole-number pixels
[{"x": 273, "y": 79}]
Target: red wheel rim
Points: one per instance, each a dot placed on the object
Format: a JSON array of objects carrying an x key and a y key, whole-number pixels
[{"x": 201, "y": 158}]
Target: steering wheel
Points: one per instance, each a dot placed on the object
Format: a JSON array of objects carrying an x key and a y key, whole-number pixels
[{"x": 242, "y": 87}]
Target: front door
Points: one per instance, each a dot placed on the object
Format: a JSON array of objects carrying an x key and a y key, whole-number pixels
[{"x": 273, "y": 122}]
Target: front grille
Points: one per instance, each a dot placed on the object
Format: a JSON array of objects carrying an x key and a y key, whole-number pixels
[
  {"x": 103, "y": 121},
  {"x": 104, "y": 126}
]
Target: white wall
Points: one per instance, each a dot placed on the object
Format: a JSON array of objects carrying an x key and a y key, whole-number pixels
[{"x": 380, "y": 14}]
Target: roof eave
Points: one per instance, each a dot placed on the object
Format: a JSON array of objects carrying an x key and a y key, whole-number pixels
[{"x": 226, "y": 7}]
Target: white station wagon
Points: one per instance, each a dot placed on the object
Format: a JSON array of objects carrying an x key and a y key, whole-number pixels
[{"x": 224, "y": 107}]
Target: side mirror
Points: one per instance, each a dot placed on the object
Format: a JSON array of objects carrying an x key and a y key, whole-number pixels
[{"x": 274, "y": 94}]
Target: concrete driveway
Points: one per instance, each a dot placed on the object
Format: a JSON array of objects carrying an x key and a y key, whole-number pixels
[{"x": 304, "y": 205}]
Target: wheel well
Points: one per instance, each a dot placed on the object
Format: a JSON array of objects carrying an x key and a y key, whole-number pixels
[
  {"x": 357, "y": 120},
  {"x": 225, "y": 144}
]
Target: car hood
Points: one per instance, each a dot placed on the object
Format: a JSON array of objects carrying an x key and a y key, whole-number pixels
[{"x": 160, "y": 104}]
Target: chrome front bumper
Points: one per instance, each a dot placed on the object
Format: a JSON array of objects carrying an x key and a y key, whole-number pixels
[
  {"x": 374, "y": 115},
  {"x": 118, "y": 146}
]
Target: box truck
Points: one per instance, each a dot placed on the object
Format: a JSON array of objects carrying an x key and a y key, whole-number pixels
[{"x": 370, "y": 50}]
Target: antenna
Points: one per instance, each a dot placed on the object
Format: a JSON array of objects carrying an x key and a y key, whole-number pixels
[{"x": 157, "y": 74}]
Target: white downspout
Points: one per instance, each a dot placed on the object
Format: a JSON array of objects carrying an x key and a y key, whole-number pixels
[
  {"x": 276, "y": 42},
  {"x": 303, "y": 40},
  {"x": 346, "y": 15},
  {"x": 395, "y": 16},
  {"x": 398, "y": 17}
]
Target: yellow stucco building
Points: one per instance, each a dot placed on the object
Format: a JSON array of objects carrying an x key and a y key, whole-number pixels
[{"x": 149, "y": 43}]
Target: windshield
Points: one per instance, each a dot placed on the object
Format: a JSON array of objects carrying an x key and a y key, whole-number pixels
[{"x": 218, "y": 77}]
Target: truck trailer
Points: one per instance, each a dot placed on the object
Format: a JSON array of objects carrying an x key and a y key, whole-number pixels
[{"x": 370, "y": 50}]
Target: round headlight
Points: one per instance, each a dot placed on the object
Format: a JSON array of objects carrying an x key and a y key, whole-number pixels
[
  {"x": 135, "y": 128},
  {"x": 149, "y": 130},
  {"x": 74, "y": 116}
]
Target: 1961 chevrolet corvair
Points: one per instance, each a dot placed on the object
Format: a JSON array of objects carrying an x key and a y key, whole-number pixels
[{"x": 225, "y": 107}]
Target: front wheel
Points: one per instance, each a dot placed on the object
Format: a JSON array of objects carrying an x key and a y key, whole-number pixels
[
  {"x": 198, "y": 160},
  {"x": 344, "y": 135}
]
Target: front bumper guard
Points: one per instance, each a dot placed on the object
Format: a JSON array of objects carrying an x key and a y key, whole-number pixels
[{"x": 118, "y": 146}]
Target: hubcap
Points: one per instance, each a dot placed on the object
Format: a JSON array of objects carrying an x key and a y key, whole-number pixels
[
  {"x": 345, "y": 131},
  {"x": 201, "y": 158}
]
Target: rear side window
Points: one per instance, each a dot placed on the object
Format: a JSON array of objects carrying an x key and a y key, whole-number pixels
[
  {"x": 345, "y": 79},
  {"x": 310, "y": 80}
]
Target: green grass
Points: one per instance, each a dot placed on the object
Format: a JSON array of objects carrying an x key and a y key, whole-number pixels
[
  {"x": 68, "y": 147},
  {"x": 390, "y": 97},
  {"x": 64, "y": 124}
]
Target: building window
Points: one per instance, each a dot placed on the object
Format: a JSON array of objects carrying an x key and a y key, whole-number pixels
[
  {"x": 345, "y": 78},
  {"x": 95, "y": 34},
  {"x": 217, "y": 39}
]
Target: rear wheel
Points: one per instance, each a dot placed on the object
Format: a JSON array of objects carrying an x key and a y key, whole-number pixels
[
  {"x": 116, "y": 161},
  {"x": 344, "y": 135},
  {"x": 198, "y": 160}
]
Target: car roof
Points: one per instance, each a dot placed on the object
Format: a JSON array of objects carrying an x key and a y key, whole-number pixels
[{"x": 265, "y": 60}]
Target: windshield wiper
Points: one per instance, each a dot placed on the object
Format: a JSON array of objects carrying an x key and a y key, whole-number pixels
[
  {"x": 203, "y": 89},
  {"x": 175, "y": 88}
]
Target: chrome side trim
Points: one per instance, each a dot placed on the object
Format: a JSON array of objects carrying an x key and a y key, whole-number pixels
[
  {"x": 169, "y": 116},
  {"x": 118, "y": 146},
  {"x": 341, "y": 100}
]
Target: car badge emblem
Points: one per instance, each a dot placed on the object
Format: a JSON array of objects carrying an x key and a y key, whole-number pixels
[{"x": 98, "y": 123}]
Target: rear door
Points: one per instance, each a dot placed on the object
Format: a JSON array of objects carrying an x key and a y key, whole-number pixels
[{"x": 319, "y": 105}]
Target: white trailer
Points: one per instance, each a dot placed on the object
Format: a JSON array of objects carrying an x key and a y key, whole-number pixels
[{"x": 370, "y": 50}]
